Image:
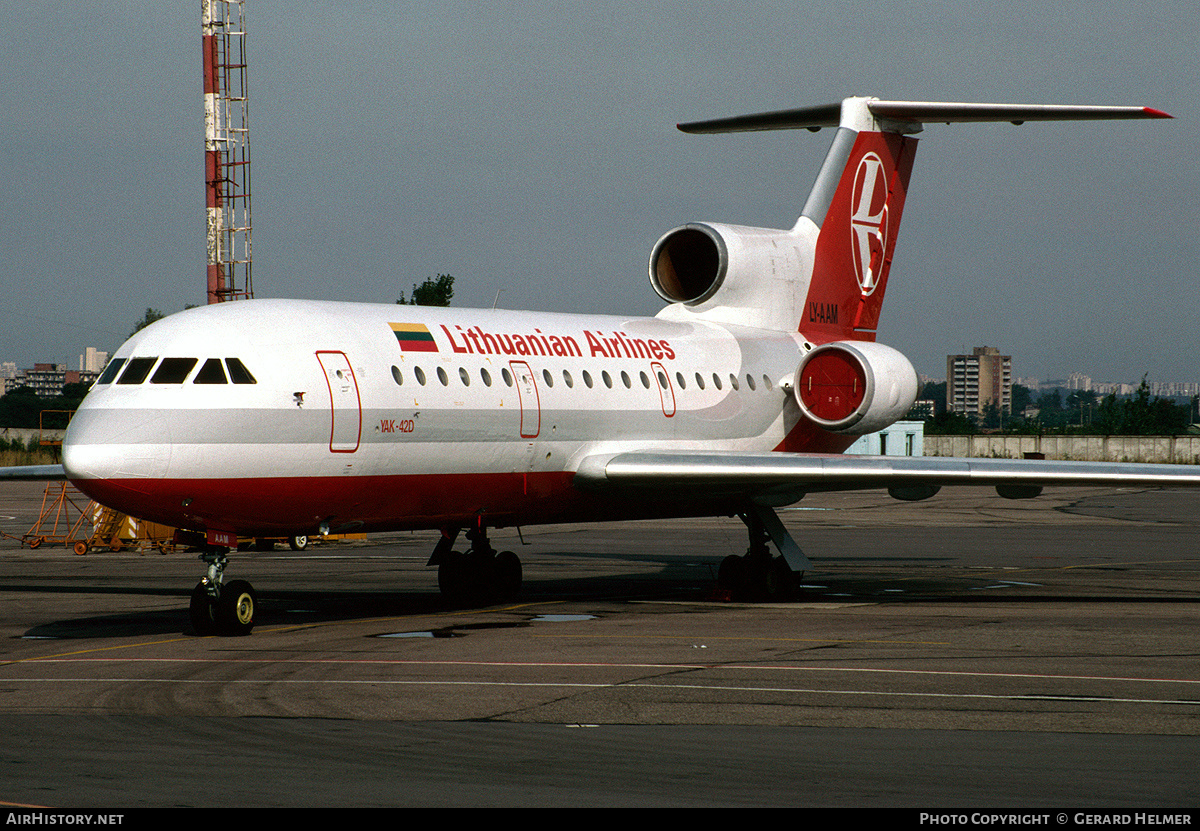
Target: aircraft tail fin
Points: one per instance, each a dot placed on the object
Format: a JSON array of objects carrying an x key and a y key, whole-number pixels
[{"x": 852, "y": 215}]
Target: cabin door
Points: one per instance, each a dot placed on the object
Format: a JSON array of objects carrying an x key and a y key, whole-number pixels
[
  {"x": 345, "y": 426},
  {"x": 531, "y": 405}
]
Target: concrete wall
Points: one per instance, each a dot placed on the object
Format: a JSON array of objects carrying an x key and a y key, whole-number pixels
[{"x": 1167, "y": 449}]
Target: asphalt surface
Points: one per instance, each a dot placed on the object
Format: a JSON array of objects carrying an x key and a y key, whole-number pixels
[{"x": 964, "y": 653}]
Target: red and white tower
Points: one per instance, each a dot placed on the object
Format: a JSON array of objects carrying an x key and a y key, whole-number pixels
[{"x": 226, "y": 150}]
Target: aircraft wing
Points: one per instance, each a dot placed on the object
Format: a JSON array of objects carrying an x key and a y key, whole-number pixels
[
  {"x": 782, "y": 478},
  {"x": 33, "y": 472}
]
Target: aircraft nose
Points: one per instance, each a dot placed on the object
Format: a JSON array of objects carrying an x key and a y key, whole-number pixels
[{"x": 112, "y": 455}]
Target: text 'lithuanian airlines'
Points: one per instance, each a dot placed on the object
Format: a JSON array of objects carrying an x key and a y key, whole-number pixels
[{"x": 475, "y": 340}]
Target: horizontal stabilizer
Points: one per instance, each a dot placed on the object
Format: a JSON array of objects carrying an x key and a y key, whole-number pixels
[
  {"x": 917, "y": 112},
  {"x": 946, "y": 113},
  {"x": 811, "y": 118}
]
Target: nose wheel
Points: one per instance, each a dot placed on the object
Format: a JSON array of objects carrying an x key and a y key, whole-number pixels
[{"x": 218, "y": 608}]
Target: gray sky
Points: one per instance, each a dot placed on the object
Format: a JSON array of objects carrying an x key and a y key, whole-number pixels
[{"x": 534, "y": 151}]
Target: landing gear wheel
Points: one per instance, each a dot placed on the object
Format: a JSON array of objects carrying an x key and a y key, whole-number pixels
[
  {"x": 778, "y": 583},
  {"x": 756, "y": 578},
  {"x": 298, "y": 543},
  {"x": 452, "y": 573},
  {"x": 203, "y": 610},
  {"x": 508, "y": 575},
  {"x": 235, "y": 608},
  {"x": 731, "y": 576}
]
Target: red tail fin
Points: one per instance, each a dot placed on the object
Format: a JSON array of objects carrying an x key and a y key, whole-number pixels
[{"x": 858, "y": 235}]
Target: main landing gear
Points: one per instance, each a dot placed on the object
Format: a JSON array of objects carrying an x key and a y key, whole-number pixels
[
  {"x": 221, "y": 608},
  {"x": 479, "y": 575},
  {"x": 757, "y": 575}
]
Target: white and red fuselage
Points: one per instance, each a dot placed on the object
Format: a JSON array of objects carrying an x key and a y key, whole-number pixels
[{"x": 390, "y": 416}]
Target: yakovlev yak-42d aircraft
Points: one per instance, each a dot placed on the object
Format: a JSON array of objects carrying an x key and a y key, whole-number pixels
[{"x": 270, "y": 418}]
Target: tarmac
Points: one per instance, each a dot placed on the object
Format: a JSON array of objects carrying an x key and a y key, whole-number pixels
[{"x": 962, "y": 653}]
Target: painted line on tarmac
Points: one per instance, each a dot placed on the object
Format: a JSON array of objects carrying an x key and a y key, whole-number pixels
[
  {"x": 1025, "y": 676},
  {"x": 615, "y": 686}
]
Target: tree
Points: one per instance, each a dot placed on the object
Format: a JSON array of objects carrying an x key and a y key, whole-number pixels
[
  {"x": 935, "y": 392},
  {"x": 991, "y": 417},
  {"x": 1050, "y": 409},
  {"x": 150, "y": 316},
  {"x": 949, "y": 424},
  {"x": 1022, "y": 399},
  {"x": 20, "y": 408},
  {"x": 435, "y": 291},
  {"x": 1081, "y": 407}
]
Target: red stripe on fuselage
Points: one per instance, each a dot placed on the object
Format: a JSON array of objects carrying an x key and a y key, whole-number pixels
[{"x": 290, "y": 505}]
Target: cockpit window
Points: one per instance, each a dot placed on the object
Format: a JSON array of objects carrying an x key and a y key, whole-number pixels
[
  {"x": 110, "y": 371},
  {"x": 136, "y": 370},
  {"x": 173, "y": 370},
  {"x": 238, "y": 372},
  {"x": 211, "y": 373}
]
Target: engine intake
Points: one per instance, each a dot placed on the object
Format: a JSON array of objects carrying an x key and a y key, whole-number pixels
[
  {"x": 731, "y": 273},
  {"x": 855, "y": 387},
  {"x": 688, "y": 265}
]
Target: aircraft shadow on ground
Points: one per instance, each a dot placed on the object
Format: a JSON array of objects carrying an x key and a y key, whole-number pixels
[{"x": 673, "y": 583}]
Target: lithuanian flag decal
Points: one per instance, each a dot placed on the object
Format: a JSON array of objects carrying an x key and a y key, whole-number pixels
[{"x": 414, "y": 337}]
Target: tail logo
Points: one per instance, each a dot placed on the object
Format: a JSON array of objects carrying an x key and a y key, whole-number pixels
[{"x": 868, "y": 223}]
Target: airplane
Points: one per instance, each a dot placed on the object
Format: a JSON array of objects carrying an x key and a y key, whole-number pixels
[{"x": 283, "y": 418}]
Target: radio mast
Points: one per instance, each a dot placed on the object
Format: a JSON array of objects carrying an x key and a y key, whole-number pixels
[{"x": 226, "y": 150}]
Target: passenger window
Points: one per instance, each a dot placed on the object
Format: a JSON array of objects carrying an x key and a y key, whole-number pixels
[
  {"x": 465, "y": 376},
  {"x": 625, "y": 380},
  {"x": 733, "y": 382},
  {"x": 607, "y": 379},
  {"x": 486, "y": 376},
  {"x": 173, "y": 370},
  {"x": 238, "y": 372},
  {"x": 507, "y": 376},
  {"x": 136, "y": 370},
  {"x": 681, "y": 382},
  {"x": 699, "y": 380},
  {"x": 397, "y": 377},
  {"x": 445, "y": 379},
  {"x": 716, "y": 380},
  {"x": 587, "y": 379},
  {"x": 750, "y": 381},
  {"x": 210, "y": 373},
  {"x": 549, "y": 379},
  {"x": 645, "y": 380},
  {"x": 567, "y": 379},
  {"x": 766, "y": 382},
  {"x": 110, "y": 371},
  {"x": 420, "y": 373}
]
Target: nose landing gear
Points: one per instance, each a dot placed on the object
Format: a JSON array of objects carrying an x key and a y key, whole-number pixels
[{"x": 224, "y": 609}]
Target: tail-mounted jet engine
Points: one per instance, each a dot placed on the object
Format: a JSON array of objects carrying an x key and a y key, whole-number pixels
[
  {"x": 694, "y": 262},
  {"x": 855, "y": 387}
]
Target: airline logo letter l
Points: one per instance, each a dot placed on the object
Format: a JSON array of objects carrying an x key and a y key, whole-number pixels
[{"x": 868, "y": 223}]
